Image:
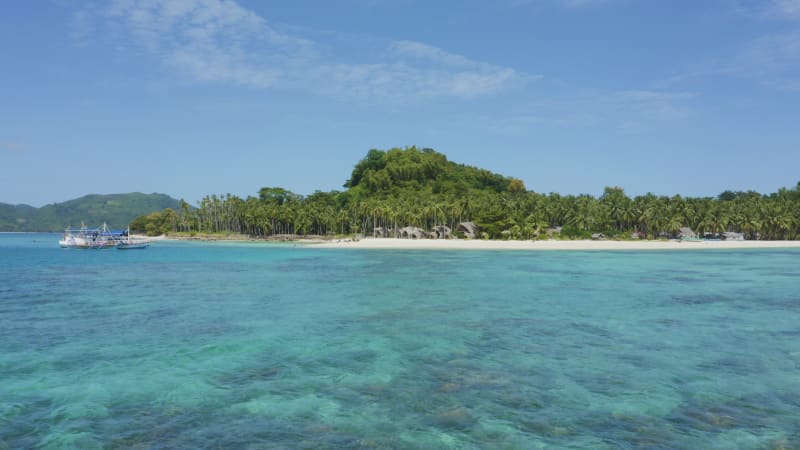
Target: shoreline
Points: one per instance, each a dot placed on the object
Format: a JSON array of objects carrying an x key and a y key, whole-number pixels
[
  {"x": 370, "y": 243},
  {"x": 608, "y": 245},
  {"x": 240, "y": 238}
]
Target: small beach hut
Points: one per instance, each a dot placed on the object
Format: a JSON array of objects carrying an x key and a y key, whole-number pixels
[
  {"x": 412, "y": 233},
  {"x": 440, "y": 232},
  {"x": 598, "y": 236},
  {"x": 733, "y": 236},
  {"x": 687, "y": 233},
  {"x": 553, "y": 231},
  {"x": 380, "y": 232},
  {"x": 469, "y": 229}
]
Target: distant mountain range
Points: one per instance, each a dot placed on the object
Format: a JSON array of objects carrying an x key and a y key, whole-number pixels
[{"x": 116, "y": 210}]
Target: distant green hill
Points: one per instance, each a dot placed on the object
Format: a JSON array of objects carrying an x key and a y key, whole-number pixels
[{"x": 116, "y": 210}]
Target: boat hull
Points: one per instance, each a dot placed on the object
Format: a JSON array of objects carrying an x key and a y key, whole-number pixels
[
  {"x": 123, "y": 246},
  {"x": 90, "y": 246}
]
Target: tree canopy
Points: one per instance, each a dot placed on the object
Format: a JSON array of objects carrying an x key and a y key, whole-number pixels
[{"x": 390, "y": 173}]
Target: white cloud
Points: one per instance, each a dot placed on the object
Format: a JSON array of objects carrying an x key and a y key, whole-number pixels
[
  {"x": 81, "y": 28},
  {"x": 220, "y": 41},
  {"x": 773, "y": 60},
  {"x": 455, "y": 74},
  {"x": 769, "y": 9},
  {"x": 777, "y": 51},
  {"x": 652, "y": 105},
  {"x": 563, "y": 3},
  {"x": 786, "y": 8},
  {"x": 629, "y": 110},
  {"x": 432, "y": 54},
  {"x": 580, "y": 3}
]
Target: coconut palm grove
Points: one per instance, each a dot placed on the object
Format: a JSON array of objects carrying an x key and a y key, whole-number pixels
[{"x": 422, "y": 188}]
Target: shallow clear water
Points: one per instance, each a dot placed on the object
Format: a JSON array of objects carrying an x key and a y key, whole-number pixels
[{"x": 188, "y": 345}]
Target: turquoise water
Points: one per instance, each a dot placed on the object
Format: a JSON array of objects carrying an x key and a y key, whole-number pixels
[{"x": 188, "y": 345}]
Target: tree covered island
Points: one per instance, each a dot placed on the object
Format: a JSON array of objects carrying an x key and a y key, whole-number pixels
[{"x": 419, "y": 193}]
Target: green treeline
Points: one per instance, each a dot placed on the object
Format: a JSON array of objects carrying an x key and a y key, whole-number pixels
[{"x": 420, "y": 187}]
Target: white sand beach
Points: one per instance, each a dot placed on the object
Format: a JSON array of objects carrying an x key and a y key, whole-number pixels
[{"x": 461, "y": 244}]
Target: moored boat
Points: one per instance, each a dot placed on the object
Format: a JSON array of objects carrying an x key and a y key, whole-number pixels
[
  {"x": 90, "y": 238},
  {"x": 131, "y": 243}
]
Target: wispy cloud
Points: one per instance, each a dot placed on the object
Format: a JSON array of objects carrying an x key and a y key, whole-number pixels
[
  {"x": 13, "y": 146},
  {"x": 769, "y": 9},
  {"x": 772, "y": 61},
  {"x": 221, "y": 41},
  {"x": 628, "y": 110},
  {"x": 433, "y": 54},
  {"x": 81, "y": 28},
  {"x": 562, "y": 3},
  {"x": 652, "y": 105},
  {"x": 210, "y": 40},
  {"x": 455, "y": 74},
  {"x": 786, "y": 8},
  {"x": 581, "y": 3}
]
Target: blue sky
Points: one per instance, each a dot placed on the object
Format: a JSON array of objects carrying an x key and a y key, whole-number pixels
[{"x": 196, "y": 97}]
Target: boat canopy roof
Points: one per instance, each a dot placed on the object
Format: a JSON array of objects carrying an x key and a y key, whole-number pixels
[{"x": 98, "y": 231}]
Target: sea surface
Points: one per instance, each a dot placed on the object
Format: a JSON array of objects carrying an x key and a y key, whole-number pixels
[{"x": 219, "y": 345}]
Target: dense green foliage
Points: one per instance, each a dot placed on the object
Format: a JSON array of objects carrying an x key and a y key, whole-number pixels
[
  {"x": 116, "y": 210},
  {"x": 411, "y": 187},
  {"x": 396, "y": 172}
]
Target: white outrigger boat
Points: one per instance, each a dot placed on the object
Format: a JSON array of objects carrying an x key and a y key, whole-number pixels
[
  {"x": 91, "y": 238},
  {"x": 101, "y": 238}
]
